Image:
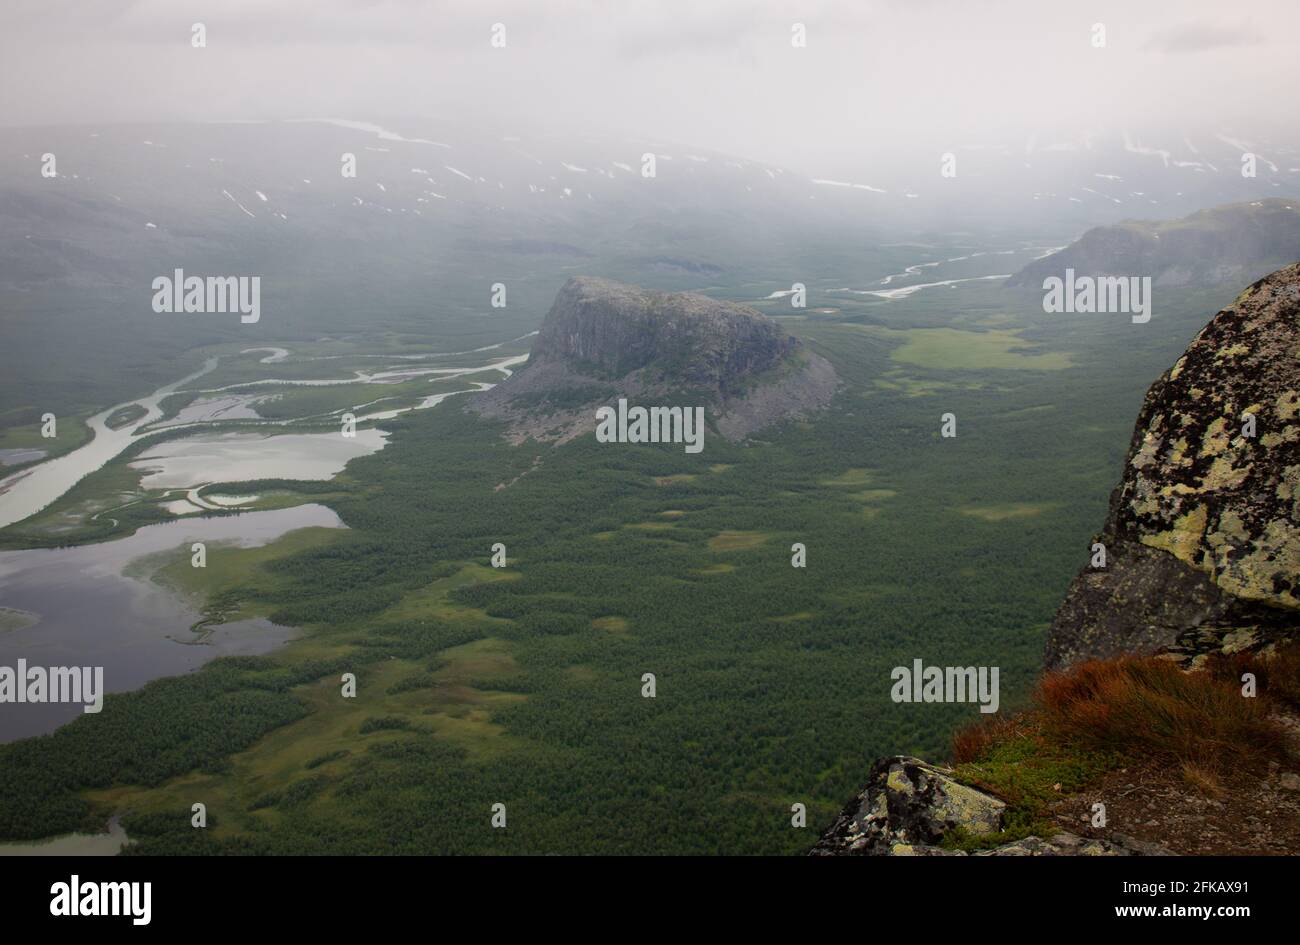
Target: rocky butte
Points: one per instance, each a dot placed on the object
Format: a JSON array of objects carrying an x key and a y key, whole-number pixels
[{"x": 604, "y": 340}]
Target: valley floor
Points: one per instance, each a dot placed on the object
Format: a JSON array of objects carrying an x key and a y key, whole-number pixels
[{"x": 523, "y": 685}]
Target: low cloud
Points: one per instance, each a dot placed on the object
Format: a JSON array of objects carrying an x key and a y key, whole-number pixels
[{"x": 1197, "y": 38}]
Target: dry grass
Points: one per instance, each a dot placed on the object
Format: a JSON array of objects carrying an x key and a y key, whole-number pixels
[
  {"x": 1149, "y": 707},
  {"x": 1199, "y": 723},
  {"x": 1277, "y": 674},
  {"x": 975, "y": 742},
  {"x": 736, "y": 540},
  {"x": 1097, "y": 720},
  {"x": 1202, "y": 779}
]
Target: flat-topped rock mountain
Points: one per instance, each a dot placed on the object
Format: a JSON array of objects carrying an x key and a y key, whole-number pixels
[
  {"x": 613, "y": 329},
  {"x": 1239, "y": 241},
  {"x": 1203, "y": 533},
  {"x": 603, "y": 340}
]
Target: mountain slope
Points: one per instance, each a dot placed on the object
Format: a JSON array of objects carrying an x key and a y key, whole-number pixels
[{"x": 1236, "y": 241}]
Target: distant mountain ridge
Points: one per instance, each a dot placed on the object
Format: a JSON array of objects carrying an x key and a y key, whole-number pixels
[
  {"x": 602, "y": 340},
  {"x": 1239, "y": 241}
]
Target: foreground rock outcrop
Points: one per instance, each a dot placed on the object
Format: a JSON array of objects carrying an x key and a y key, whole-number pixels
[
  {"x": 909, "y": 807},
  {"x": 1204, "y": 527},
  {"x": 1202, "y": 545},
  {"x": 603, "y": 340}
]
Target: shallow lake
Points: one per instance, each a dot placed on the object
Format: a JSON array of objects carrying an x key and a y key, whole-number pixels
[
  {"x": 89, "y": 612},
  {"x": 73, "y": 844},
  {"x": 240, "y": 457}
]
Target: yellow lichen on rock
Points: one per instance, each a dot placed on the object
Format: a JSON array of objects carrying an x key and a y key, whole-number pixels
[
  {"x": 1223, "y": 475},
  {"x": 1205, "y": 525},
  {"x": 1184, "y": 539},
  {"x": 1144, "y": 502},
  {"x": 1147, "y": 454},
  {"x": 1178, "y": 453},
  {"x": 1216, "y": 438},
  {"x": 1289, "y": 434},
  {"x": 898, "y": 781},
  {"x": 1272, "y": 555},
  {"x": 1288, "y": 490}
]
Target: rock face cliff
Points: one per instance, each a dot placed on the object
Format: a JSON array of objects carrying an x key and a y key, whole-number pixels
[
  {"x": 1236, "y": 241},
  {"x": 1203, "y": 534},
  {"x": 603, "y": 340}
]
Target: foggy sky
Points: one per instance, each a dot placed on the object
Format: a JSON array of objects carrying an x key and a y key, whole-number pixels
[{"x": 717, "y": 74}]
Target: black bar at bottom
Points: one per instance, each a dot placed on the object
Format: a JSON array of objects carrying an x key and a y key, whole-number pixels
[{"x": 353, "y": 894}]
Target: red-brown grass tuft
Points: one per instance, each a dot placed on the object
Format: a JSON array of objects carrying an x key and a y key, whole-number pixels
[
  {"x": 1277, "y": 674},
  {"x": 973, "y": 742},
  {"x": 1204, "y": 781},
  {"x": 1150, "y": 707}
]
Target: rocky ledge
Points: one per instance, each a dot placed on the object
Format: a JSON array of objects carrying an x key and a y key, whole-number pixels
[{"x": 909, "y": 807}]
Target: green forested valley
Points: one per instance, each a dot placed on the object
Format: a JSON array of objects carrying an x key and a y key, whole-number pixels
[{"x": 522, "y": 685}]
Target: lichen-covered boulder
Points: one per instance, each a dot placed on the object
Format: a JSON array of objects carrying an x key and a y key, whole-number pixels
[
  {"x": 909, "y": 806},
  {"x": 906, "y": 809},
  {"x": 1204, "y": 527}
]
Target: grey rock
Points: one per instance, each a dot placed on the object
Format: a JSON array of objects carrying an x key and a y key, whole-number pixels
[
  {"x": 603, "y": 340},
  {"x": 1203, "y": 532},
  {"x": 906, "y": 809},
  {"x": 909, "y": 806}
]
